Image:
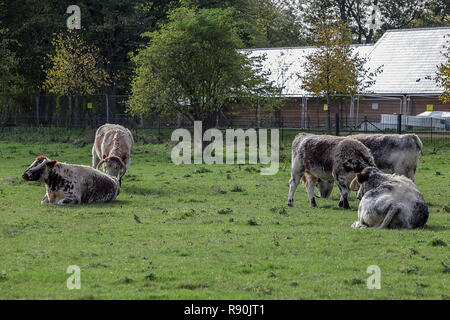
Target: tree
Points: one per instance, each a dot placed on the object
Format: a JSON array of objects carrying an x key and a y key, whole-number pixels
[
  {"x": 334, "y": 68},
  {"x": 261, "y": 23},
  {"x": 76, "y": 68},
  {"x": 443, "y": 74},
  {"x": 192, "y": 66},
  {"x": 369, "y": 19}
]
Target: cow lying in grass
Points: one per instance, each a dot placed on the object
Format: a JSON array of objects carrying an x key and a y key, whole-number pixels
[
  {"x": 112, "y": 149},
  {"x": 389, "y": 201},
  {"x": 393, "y": 153},
  {"x": 69, "y": 183},
  {"x": 327, "y": 158}
]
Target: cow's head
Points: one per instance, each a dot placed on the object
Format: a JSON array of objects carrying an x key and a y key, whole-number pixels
[
  {"x": 365, "y": 181},
  {"x": 113, "y": 166},
  {"x": 324, "y": 187},
  {"x": 38, "y": 170}
]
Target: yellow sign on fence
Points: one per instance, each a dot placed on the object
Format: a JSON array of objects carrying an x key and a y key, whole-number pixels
[
  {"x": 89, "y": 105},
  {"x": 325, "y": 107},
  {"x": 429, "y": 107}
]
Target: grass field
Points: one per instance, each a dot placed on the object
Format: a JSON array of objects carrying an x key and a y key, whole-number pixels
[{"x": 207, "y": 232}]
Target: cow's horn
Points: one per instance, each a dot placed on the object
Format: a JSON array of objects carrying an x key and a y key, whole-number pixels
[{"x": 100, "y": 163}]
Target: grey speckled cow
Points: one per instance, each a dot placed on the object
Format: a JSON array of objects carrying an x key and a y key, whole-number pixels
[
  {"x": 69, "y": 183},
  {"x": 389, "y": 201},
  {"x": 393, "y": 153},
  {"x": 327, "y": 158}
]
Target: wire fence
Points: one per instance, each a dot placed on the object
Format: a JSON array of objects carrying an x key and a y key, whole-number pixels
[{"x": 346, "y": 115}]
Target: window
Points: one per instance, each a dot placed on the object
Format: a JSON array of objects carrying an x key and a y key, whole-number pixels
[{"x": 374, "y": 106}]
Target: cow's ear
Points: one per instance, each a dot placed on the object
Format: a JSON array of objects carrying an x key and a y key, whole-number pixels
[
  {"x": 51, "y": 164},
  {"x": 361, "y": 178},
  {"x": 104, "y": 156}
]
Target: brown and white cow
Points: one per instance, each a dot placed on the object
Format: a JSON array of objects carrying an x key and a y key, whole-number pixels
[
  {"x": 389, "y": 201},
  {"x": 70, "y": 183},
  {"x": 327, "y": 158},
  {"x": 393, "y": 153},
  {"x": 112, "y": 149}
]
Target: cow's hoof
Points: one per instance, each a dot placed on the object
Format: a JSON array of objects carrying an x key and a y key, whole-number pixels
[
  {"x": 290, "y": 203},
  {"x": 344, "y": 204},
  {"x": 358, "y": 225},
  {"x": 312, "y": 203}
]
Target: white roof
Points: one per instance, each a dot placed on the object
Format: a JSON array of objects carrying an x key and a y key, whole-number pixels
[
  {"x": 285, "y": 64},
  {"x": 406, "y": 56},
  {"x": 435, "y": 114}
]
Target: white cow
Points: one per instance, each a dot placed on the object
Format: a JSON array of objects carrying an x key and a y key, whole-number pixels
[
  {"x": 112, "y": 149},
  {"x": 389, "y": 201}
]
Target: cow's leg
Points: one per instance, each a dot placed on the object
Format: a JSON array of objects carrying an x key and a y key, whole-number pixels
[
  {"x": 392, "y": 212},
  {"x": 310, "y": 191},
  {"x": 297, "y": 172},
  {"x": 45, "y": 199},
  {"x": 358, "y": 225},
  {"x": 341, "y": 181},
  {"x": 68, "y": 200},
  {"x": 95, "y": 159}
]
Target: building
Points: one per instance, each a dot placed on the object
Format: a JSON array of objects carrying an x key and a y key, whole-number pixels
[{"x": 407, "y": 57}]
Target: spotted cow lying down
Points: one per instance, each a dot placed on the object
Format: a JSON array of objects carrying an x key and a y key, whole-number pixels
[
  {"x": 389, "y": 201},
  {"x": 70, "y": 183}
]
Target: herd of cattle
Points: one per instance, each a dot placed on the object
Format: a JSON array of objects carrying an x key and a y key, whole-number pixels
[{"x": 381, "y": 167}]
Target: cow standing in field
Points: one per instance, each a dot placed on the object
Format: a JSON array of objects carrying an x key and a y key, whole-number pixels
[
  {"x": 327, "y": 158},
  {"x": 393, "y": 153},
  {"x": 70, "y": 183},
  {"x": 112, "y": 149},
  {"x": 389, "y": 201}
]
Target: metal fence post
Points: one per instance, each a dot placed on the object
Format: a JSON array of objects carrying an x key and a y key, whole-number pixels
[
  {"x": 107, "y": 108},
  {"x": 37, "y": 109},
  {"x": 431, "y": 129},
  {"x": 399, "y": 123},
  {"x": 337, "y": 123}
]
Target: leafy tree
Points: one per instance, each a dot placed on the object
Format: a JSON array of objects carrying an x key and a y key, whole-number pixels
[
  {"x": 76, "y": 68},
  {"x": 192, "y": 66},
  {"x": 30, "y": 27},
  {"x": 368, "y": 25},
  {"x": 261, "y": 23},
  {"x": 8, "y": 66},
  {"x": 114, "y": 26},
  {"x": 334, "y": 68},
  {"x": 443, "y": 74}
]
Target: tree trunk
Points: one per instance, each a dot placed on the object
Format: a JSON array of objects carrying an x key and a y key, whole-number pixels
[
  {"x": 372, "y": 24},
  {"x": 76, "y": 112},
  {"x": 69, "y": 118}
]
